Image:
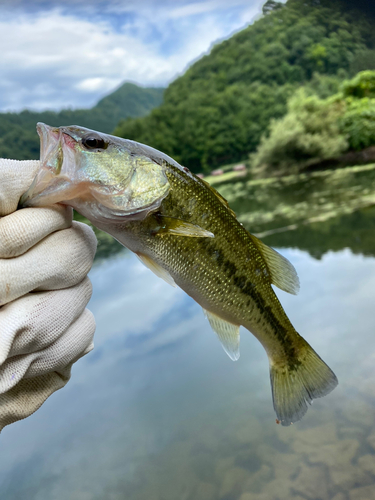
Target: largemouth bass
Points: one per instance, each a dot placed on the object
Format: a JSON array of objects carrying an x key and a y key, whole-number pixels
[{"x": 185, "y": 232}]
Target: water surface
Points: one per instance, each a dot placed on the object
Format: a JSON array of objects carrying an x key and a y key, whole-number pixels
[{"x": 159, "y": 412}]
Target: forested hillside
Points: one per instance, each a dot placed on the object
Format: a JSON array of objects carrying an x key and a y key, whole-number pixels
[
  {"x": 18, "y": 137},
  {"x": 219, "y": 109}
]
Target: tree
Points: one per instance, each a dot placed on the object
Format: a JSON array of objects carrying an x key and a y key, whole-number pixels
[
  {"x": 217, "y": 112},
  {"x": 271, "y": 6},
  {"x": 315, "y": 129},
  {"x": 309, "y": 132}
]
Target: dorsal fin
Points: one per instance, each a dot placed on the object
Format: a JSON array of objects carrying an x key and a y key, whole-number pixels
[
  {"x": 229, "y": 334},
  {"x": 283, "y": 274},
  {"x": 218, "y": 195}
]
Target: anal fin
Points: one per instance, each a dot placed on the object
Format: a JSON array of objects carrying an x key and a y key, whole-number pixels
[
  {"x": 228, "y": 333},
  {"x": 156, "y": 269}
]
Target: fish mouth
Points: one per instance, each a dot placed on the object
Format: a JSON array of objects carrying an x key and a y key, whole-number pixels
[
  {"x": 69, "y": 175},
  {"x": 49, "y": 185}
]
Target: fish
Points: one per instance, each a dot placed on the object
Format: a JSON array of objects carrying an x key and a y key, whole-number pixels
[{"x": 184, "y": 231}]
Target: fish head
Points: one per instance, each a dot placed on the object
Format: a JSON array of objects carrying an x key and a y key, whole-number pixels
[{"x": 101, "y": 176}]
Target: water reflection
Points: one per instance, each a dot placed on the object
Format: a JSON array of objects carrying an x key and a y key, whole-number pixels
[
  {"x": 158, "y": 411},
  {"x": 355, "y": 231},
  {"x": 266, "y": 205}
]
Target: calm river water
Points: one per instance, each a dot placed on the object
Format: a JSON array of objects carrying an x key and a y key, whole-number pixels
[{"x": 159, "y": 412}]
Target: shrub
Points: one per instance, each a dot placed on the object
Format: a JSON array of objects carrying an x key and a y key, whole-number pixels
[
  {"x": 308, "y": 132},
  {"x": 362, "y": 85},
  {"x": 358, "y": 123}
]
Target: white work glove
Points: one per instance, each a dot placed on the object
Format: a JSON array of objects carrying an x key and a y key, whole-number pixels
[{"x": 44, "y": 326}]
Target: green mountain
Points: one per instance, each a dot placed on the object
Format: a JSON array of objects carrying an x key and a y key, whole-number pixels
[
  {"x": 218, "y": 110},
  {"x": 18, "y": 137}
]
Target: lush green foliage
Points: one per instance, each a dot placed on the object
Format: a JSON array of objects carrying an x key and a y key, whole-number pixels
[
  {"x": 218, "y": 110},
  {"x": 18, "y": 137},
  {"x": 309, "y": 130},
  {"x": 358, "y": 123},
  {"x": 270, "y": 6},
  {"x": 315, "y": 129},
  {"x": 362, "y": 85},
  {"x": 364, "y": 59}
]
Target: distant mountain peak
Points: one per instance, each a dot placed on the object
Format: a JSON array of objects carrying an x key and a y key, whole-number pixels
[{"x": 18, "y": 137}]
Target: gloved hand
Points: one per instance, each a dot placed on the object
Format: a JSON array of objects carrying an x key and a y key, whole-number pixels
[{"x": 44, "y": 326}]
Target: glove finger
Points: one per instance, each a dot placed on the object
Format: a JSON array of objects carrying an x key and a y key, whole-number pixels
[
  {"x": 23, "y": 229},
  {"x": 65, "y": 350},
  {"x": 29, "y": 394},
  {"x": 36, "y": 320},
  {"x": 16, "y": 177},
  {"x": 77, "y": 341},
  {"x": 61, "y": 260}
]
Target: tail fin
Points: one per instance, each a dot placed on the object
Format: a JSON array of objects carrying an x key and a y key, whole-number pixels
[{"x": 295, "y": 385}]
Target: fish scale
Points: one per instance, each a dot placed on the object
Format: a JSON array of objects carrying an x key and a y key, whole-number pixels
[
  {"x": 185, "y": 232},
  {"x": 237, "y": 258}
]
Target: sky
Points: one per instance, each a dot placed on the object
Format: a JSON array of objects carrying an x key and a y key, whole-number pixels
[{"x": 69, "y": 54}]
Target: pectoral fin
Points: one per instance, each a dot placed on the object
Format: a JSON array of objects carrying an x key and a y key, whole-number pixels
[
  {"x": 229, "y": 334},
  {"x": 283, "y": 274},
  {"x": 178, "y": 227},
  {"x": 156, "y": 269}
]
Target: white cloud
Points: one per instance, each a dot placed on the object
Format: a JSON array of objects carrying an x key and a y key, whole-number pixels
[
  {"x": 192, "y": 9},
  {"x": 93, "y": 84},
  {"x": 54, "y": 59}
]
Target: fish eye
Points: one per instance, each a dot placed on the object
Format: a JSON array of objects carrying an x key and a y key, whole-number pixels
[{"x": 94, "y": 142}]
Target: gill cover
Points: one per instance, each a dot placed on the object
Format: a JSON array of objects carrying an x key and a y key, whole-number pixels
[{"x": 96, "y": 173}]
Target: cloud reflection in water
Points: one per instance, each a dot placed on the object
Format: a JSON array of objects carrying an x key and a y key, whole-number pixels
[{"x": 158, "y": 398}]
